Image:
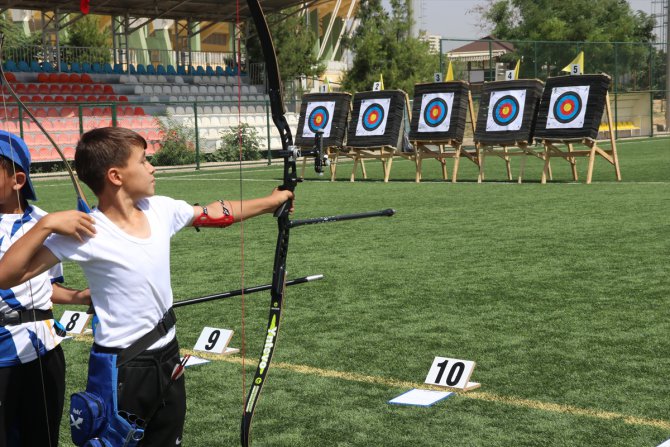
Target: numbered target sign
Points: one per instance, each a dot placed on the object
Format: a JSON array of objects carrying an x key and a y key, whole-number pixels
[
  {"x": 373, "y": 117},
  {"x": 575, "y": 69},
  {"x": 377, "y": 86},
  {"x": 436, "y": 112},
  {"x": 506, "y": 110},
  {"x": 509, "y": 75},
  {"x": 213, "y": 340},
  {"x": 567, "y": 107},
  {"x": 437, "y": 77},
  {"x": 74, "y": 322},
  {"x": 452, "y": 373},
  {"x": 318, "y": 117}
]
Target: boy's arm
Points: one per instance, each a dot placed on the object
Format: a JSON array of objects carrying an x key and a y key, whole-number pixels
[
  {"x": 28, "y": 257},
  {"x": 246, "y": 209},
  {"x": 66, "y": 295}
]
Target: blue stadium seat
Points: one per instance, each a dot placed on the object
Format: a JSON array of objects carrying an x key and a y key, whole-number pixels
[
  {"x": 47, "y": 67},
  {"x": 191, "y": 70},
  {"x": 118, "y": 68},
  {"x": 107, "y": 68},
  {"x": 209, "y": 70},
  {"x": 64, "y": 67},
  {"x": 23, "y": 66},
  {"x": 181, "y": 70},
  {"x": 96, "y": 68},
  {"x": 220, "y": 71},
  {"x": 141, "y": 69},
  {"x": 10, "y": 65},
  {"x": 75, "y": 68},
  {"x": 35, "y": 66},
  {"x": 86, "y": 68},
  {"x": 131, "y": 69},
  {"x": 171, "y": 70},
  {"x": 160, "y": 70},
  {"x": 151, "y": 69},
  {"x": 200, "y": 71},
  {"x": 229, "y": 71}
]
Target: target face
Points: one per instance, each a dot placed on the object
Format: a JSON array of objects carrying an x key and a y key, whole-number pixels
[
  {"x": 506, "y": 110},
  {"x": 436, "y": 112},
  {"x": 567, "y": 107},
  {"x": 318, "y": 116},
  {"x": 373, "y": 117}
]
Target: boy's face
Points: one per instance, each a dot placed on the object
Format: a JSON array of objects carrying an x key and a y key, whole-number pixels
[{"x": 138, "y": 175}]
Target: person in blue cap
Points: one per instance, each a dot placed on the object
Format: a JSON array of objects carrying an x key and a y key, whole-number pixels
[{"x": 32, "y": 364}]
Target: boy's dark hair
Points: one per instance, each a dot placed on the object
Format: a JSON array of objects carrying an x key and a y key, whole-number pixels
[
  {"x": 9, "y": 166},
  {"x": 101, "y": 149}
]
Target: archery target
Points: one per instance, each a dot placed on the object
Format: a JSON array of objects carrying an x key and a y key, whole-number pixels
[
  {"x": 506, "y": 110},
  {"x": 373, "y": 117},
  {"x": 436, "y": 112},
  {"x": 567, "y": 107},
  {"x": 318, "y": 116}
]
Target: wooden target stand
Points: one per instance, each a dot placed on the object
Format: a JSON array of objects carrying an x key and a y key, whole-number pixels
[
  {"x": 423, "y": 151},
  {"x": 550, "y": 150},
  {"x": 360, "y": 154},
  {"x": 333, "y": 152},
  {"x": 520, "y": 148}
]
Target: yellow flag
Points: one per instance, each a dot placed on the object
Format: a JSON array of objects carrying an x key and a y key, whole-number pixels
[
  {"x": 450, "y": 73},
  {"x": 579, "y": 60},
  {"x": 327, "y": 86},
  {"x": 516, "y": 69},
  {"x": 381, "y": 81}
]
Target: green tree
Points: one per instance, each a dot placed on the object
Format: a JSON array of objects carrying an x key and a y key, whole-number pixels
[
  {"x": 15, "y": 37},
  {"x": 295, "y": 45},
  {"x": 91, "y": 38},
  {"x": 579, "y": 24},
  {"x": 382, "y": 45},
  {"x": 242, "y": 140}
]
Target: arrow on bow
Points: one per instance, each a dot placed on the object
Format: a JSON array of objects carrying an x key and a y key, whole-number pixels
[{"x": 289, "y": 153}]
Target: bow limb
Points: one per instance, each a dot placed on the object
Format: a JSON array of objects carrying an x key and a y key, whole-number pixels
[
  {"x": 82, "y": 205},
  {"x": 290, "y": 181}
]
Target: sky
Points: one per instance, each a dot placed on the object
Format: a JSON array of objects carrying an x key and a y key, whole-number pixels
[{"x": 456, "y": 18}]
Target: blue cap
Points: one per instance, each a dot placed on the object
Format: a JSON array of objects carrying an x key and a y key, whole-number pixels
[{"x": 15, "y": 149}]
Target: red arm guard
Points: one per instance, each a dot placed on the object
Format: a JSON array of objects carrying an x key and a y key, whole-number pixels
[{"x": 205, "y": 220}]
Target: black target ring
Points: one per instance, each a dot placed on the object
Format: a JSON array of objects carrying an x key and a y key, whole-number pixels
[
  {"x": 318, "y": 119},
  {"x": 567, "y": 107},
  {"x": 373, "y": 117},
  {"x": 435, "y": 112},
  {"x": 505, "y": 110}
]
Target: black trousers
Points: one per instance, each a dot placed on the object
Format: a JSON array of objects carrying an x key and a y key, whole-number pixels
[
  {"x": 30, "y": 408},
  {"x": 144, "y": 390}
]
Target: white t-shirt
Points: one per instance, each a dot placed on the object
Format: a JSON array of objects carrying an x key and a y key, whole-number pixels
[
  {"x": 129, "y": 277},
  {"x": 18, "y": 343}
]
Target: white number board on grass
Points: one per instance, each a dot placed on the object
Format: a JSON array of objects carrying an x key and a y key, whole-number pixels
[
  {"x": 213, "y": 340},
  {"x": 74, "y": 322},
  {"x": 452, "y": 373}
]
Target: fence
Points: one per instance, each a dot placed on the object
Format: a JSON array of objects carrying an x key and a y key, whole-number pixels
[{"x": 638, "y": 70}]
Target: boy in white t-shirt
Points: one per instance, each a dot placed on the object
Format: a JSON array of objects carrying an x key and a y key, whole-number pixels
[
  {"x": 32, "y": 365},
  {"x": 123, "y": 247}
]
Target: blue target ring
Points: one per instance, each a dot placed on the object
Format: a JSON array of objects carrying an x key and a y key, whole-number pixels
[
  {"x": 435, "y": 112},
  {"x": 567, "y": 107},
  {"x": 505, "y": 110},
  {"x": 318, "y": 119},
  {"x": 373, "y": 117}
]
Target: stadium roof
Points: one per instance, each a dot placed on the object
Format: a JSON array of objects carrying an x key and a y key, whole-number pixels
[{"x": 199, "y": 10}]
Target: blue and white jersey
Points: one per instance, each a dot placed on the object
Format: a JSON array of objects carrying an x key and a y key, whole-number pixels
[{"x": 20, "y": 344}]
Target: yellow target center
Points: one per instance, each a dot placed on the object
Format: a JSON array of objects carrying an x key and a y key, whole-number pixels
[
  {"x": 318, "y": 120},
  {"x": 373, "y": 117},
  {"x": 435, "y": 113},
  {"x": 567, "y": 107},
  {"x": 505, "y": 110}
]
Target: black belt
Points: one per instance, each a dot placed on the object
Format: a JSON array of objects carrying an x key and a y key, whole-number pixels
[
  {"x": 16, "y": 317},
  {"x": 124, "y": 355}
]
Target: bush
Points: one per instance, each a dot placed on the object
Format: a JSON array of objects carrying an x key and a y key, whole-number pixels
[
  {"x": 177, "y": 145},
  {"x": 243, "y": 135}
]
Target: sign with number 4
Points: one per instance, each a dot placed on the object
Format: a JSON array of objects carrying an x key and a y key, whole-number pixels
[
  {"x": 213, "y": 340},
  {"x": 451, "y": 373},
  {"x": 74, "y": 322}
]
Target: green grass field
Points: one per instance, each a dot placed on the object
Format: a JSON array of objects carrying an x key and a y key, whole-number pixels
[{"x": 559, "y": 292}]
